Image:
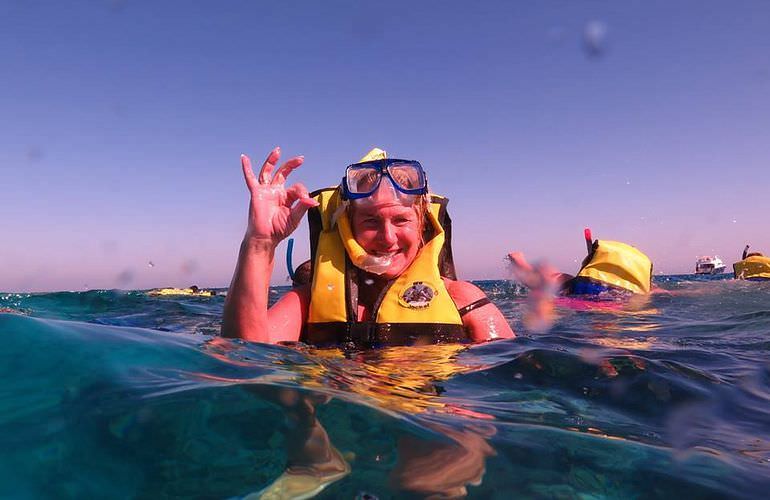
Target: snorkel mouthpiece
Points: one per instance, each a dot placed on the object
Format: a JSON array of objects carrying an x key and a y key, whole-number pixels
[{"x": 375, "y": 264}]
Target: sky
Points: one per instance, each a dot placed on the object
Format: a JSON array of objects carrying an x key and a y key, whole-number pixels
[{"x": 122, "y": 123}]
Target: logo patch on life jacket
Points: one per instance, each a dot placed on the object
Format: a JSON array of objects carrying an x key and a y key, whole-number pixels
[{"x": 417, "y": 296}]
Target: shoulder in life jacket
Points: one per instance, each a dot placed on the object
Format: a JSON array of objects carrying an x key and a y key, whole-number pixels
[
  {"x": 613, "y": 265},
  {"x": 754, "y": 266},
  {"x": 414, "y": 308}
]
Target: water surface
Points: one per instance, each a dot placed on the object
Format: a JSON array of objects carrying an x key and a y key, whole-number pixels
[{"x": 114, "y": 394}]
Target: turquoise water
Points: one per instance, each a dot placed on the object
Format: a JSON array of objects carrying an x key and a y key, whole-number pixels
[{"x": 110, "y": 394}]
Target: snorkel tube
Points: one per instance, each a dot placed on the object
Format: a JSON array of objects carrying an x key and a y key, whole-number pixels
[
  {"x": 289, "y": 250},
  {"x": 589, "y": 240},
  {"x": 582, "y": 285}
]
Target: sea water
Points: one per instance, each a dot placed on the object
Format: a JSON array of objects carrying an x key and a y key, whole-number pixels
[{"x": 113, "y": 394}]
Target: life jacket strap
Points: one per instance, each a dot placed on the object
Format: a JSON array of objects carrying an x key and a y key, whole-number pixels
[{"x": 474, "y": 305}]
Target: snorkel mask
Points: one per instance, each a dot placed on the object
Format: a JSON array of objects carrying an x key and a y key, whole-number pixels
[
  {"x": 363, "y": 181},
  {"x": 377, "y": 180}
]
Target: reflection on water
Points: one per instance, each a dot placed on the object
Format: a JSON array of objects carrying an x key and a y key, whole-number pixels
[{"x": 403, "y": 380}]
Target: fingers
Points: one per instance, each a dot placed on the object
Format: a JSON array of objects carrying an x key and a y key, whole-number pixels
[
  {"x": 248, "y": 173},
  {"x": 294, "y": 193},
  {"x": 266, "y": 172},
  {"x": 299, "y": 193},
  {"x": 517, "y": 259},
  {"x": 285, "y": 169}
]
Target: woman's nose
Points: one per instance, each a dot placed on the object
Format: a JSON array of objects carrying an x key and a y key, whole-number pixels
[{"x": 388, "y": 234}]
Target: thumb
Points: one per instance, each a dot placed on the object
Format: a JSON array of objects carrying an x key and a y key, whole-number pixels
[
  {"x": 303, "y": 203},
  {"x": 300, "y": 208}
]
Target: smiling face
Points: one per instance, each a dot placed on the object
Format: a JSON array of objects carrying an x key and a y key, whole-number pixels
[{"x": 389, "y": 230}]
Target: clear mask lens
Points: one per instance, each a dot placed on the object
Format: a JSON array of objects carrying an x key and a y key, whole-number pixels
[
  {"x": 363, "y": 180},
  {"x": 406, "y": 175},
  {"x": 386, "y": 193}
]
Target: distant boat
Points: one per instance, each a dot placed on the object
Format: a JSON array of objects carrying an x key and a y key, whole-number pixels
[{"x": 709, "y": 265}]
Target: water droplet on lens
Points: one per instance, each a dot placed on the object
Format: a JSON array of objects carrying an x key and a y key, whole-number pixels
[
  {"x": 189, "y": 266},
  {"x": 124, "y": 278},
  {"x": 594, "y": 39},
  {"x": 35, "y": 153}
]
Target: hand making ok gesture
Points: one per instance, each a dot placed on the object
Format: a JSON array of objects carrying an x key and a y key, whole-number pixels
[{"x": 274, "y": 211}]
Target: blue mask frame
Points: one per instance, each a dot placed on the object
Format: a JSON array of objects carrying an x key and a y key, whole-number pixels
[{"x": 383, "y": 168}]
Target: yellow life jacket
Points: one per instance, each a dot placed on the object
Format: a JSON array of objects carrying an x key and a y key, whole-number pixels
[
  {"x": 618, "y": 265},
  {"x": 414, "y": 308},
  {"x": 756, "y": 267}
]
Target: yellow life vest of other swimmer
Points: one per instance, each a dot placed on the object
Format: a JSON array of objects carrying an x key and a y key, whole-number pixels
[
  {"x": 754, "y": 267},
  {"x": 414, "y": 308},
  {"x": 619, "y": 265}
]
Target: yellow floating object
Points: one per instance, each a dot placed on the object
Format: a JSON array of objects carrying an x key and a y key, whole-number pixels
[
  {"x": 619, "y": 265},
  {"x": 162, "y": 292},
  {"x": 756, "y": 267}
]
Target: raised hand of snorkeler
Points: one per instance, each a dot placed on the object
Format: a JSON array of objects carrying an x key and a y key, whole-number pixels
[
  {"x": 274, "y": 212},
  {"x": 543, "y": 282},
  {"x": 541, "y": 276}
]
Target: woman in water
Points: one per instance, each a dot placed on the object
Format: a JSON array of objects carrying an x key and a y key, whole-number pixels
[
  {"x": 386, "y": 250},
  {"x": 382, "y": 275}
]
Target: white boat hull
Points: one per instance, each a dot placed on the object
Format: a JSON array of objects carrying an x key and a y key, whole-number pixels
[
  {"x": 709, "y": 265},
  {"x": 713, "y": 270}
]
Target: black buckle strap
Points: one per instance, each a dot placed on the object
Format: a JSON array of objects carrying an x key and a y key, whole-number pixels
[{"x": 474, "y": 305}]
